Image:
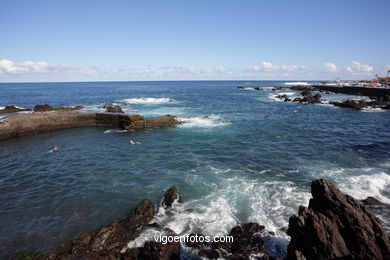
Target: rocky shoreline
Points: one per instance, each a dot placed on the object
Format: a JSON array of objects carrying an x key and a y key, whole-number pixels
[
  {"x": 46, "y": 118},
  {"x": 378, "y": 99},
  {"x": 333, "y": 226}
]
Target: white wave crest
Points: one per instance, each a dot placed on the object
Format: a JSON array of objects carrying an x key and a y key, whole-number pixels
[
  {"x": 363, "y": 186},
  {"x": 143, "y": 100},
  {"x": 204, "y": 121},
  {"x": 297, "y": 83},
  {"x": 114, "y": 131},
  {"x": 1, "y": 108}
]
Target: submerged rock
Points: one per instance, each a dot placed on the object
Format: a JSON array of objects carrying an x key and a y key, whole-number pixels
[{"x": 336, "y": 226}]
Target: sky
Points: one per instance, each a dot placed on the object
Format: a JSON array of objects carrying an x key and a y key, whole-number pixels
[{"x": 119, "y": 40}]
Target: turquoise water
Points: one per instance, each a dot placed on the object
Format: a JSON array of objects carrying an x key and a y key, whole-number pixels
[{"x": 239, "y": 156}]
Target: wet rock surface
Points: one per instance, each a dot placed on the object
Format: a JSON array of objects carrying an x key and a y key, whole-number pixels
[
  {"x": 113, "y": 109},
  {"x": 171, "y": 195},
  {"x": 336, "y": 226},
  {"x": 13, "y": 109}
]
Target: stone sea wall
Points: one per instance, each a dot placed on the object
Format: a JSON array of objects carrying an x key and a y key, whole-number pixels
[{"x": 19, "y": 125}]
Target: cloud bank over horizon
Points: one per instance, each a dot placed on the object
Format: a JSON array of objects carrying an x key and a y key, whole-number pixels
[{"x": 25, "y": 71}]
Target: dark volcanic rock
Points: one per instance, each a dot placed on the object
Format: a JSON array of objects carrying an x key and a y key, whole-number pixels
[
  {"x": 246, "y": 241},
  {"x": 336, "y": 226},
  {"x": 170, "y": 196},
  {"x": 42, "y": 108},
  {"x": 380, "y": 209},
  {"x": 303, "y": 88},
  {"x": 108, "y": 241},
  {"x": 153, "y": 251},
  {"x": 209, "y": 253},
  {"x": 114, "y": 109},
  {"x": 12, "y": 109},
  {"x": 351, "y": 104}
]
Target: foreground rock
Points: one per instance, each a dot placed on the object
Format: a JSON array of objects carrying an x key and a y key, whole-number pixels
[
  {"x": 33, "y": 123},
  {"x": 336, "y": 226}
]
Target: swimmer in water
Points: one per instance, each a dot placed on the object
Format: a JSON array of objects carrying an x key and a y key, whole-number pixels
[{"x": 55, "y": 149}]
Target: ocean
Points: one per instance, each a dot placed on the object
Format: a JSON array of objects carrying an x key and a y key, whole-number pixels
[{"x": 239, "y": 156}]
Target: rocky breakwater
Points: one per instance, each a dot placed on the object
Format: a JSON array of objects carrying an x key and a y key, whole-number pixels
[{"x": 19, "y": 125}]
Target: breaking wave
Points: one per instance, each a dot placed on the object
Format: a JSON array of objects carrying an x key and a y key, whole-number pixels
[
  {"x": 143, "y": 100},
  {"x": 204, "y": 121}
]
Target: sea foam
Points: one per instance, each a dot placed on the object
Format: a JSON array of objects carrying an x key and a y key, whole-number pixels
[
  {"x": 204, "y": 121},
  {"x": 145, "y": 100},
  {"x": 297, "y": 83}
]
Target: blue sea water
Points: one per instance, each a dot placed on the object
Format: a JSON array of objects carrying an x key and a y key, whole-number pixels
[{"x": 239, "y": 156}]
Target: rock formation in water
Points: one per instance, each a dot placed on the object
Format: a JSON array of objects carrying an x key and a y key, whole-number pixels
[
  {"x": 13, "y": 109},
  {"x": 336, "y": 226},
  {"x": 39, "y": 122},
  {"x": 113, "y": 109}
]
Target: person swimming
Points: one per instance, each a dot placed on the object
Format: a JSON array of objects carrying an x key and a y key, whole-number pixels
[
  {"x": 134, "y": 142},
  {"x": 55, "y": 149}
]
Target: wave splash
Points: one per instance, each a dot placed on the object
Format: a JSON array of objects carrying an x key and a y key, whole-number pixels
[
  {"x": 297, "y": 83},
  {"x": 145, "y": 100},
  {"x": 204, "y": 121}
]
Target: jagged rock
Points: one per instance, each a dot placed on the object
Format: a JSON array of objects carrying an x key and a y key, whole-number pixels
[
  {"x": 12, "y": 109},
  {"x": 43, "y": 108},
  {"x": 158, "y": 251},
  {"x": 192, "y": 242},
  {"x": 380, "y": 209},
  {"x": 209, "y": 253},
  {"x": 170, "y": 196},
  {"x": 278, "y": 88},
  {"x": 108, "y": 241},
  {"x": 336, "y": 226},
  {"x": 258, "y": 88},
  {"x": 303, "y": 88},
  {"x": 306, "y": 93},
  {"x": 358, "y": 105},
  {"x": 114, "y": 109},
  {"x": 246, "y": 241}
]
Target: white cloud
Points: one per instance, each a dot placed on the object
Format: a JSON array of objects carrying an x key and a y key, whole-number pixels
[
  {"x": 221, "y": 69},
  {"x": 330, "y": 67},
  {"x": 10, "y": 67},
  {"x": 268, "y": 65},
  {"x": 359, "y": 68},
  {"x": 289, "y": 67},
  {"x": 256, "y": 68}
]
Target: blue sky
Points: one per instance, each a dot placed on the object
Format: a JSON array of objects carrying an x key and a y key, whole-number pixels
[{"x": 192, "y": 39}]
